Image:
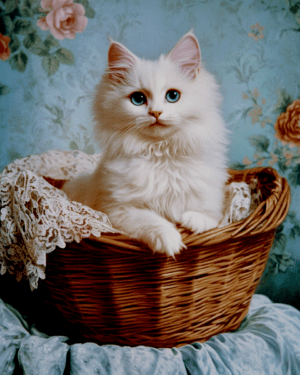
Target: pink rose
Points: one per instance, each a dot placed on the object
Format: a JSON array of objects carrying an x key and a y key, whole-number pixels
[
  {"x": 287, "y": 125},
  {"x": 47, "y": 4},
  {"x": 64, "y": 19},
  {"x": 42, "y": 23}
]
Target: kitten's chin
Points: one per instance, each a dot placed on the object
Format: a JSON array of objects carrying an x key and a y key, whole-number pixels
[{"x": 159, "y": 131}]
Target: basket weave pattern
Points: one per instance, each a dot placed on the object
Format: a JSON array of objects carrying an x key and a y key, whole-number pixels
[{"x": 113, "y": 290}]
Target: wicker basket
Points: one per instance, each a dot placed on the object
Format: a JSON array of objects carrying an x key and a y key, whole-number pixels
[{"x": 113, "y": 290}]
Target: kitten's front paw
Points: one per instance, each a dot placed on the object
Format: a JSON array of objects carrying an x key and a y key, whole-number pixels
[
  {"x": 197, "y": 222},
  {"x": 165, "y": 239}
]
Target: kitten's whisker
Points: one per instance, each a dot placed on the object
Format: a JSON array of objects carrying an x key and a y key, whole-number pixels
[{"x": 130, "y": 129}]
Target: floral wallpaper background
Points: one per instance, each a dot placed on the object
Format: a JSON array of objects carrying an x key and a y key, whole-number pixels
[{"x": 53, "y": 52}]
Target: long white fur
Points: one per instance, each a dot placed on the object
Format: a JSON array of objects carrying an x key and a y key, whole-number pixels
[{"x": 153, "y": 177}]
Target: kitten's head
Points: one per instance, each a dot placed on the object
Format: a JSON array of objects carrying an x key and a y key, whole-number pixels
[{"x": 141, "y": 103}]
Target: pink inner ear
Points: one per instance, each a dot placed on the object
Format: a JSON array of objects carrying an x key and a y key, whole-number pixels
[
  {"x": 120, "y": 60},
  {"x": 187, "y": 55}
]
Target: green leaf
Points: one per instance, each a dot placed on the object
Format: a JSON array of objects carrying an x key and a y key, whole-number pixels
[
  {"x": 51, "y": 42},
  {"x": 89, "y": 12},
  {"x": 284, "y": 100},
  {"x": 50, "y": 64},
  {"x": 74, "y": 145},
  {"x": 278, "y": 151},
  {"x": 272, "y": 265},
  {"x": 239, "y": 75},
  {"x": 85, "y": 3},
  {"x": 14, "y": 44},
  {"x": 4, "y": 89},
  {"x": 39, "y": 50},
  {"x": 23, "y": 27},
  {"x": 19, "y": 61},
  {"x": 10, "y": 6},
  {"x": 238, "y": 166},
  {"x": 282, "y": 166},
  {"x": 260, "y": 142},
  {"x": 294, "y": 175},
  {"x": 295, "y": 232},
  {"x": 65, "y": 56},
  {"x": 294, "y": 8},
  {"x": 8, "y": 24},
  {"x": 31, "y": 40},
  {"x": 28, "y": 3},
  {"x": 26, "y": 12},
  {"x": 285, "y": 263},
  {"x": 292, "y": 217},
  {"x": 280, "y": 241},
  {"x": 36, "y": 9}
]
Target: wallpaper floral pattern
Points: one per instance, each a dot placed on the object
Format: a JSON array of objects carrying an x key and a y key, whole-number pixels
[
  {"x": 53, "y": 52},
  {"x": 63, "y": 17}
]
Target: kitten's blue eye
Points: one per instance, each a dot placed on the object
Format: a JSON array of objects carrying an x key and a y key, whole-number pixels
[
  {"x": 172, "y": 96},
  {"x": 138, "y": 98}
]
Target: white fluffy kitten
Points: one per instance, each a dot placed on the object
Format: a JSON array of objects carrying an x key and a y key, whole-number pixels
[{"x": 164, "y": 145}]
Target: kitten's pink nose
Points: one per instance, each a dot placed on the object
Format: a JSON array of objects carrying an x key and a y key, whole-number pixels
[{"x": 155, "y": 114}]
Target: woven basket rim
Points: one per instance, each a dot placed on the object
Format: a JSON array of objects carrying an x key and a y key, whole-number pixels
[{"x": 266, "y": 217}]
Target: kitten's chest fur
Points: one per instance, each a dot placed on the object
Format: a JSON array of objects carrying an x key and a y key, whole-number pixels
[{"x": 167, "y": 185}]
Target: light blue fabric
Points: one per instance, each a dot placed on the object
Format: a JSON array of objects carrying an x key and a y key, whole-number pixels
[{"x": 267, "y": 343}]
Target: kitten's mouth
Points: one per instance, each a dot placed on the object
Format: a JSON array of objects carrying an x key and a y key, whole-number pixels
[
  {"x": 160, "y": 130},
  {"x": 158, "y": 124}
]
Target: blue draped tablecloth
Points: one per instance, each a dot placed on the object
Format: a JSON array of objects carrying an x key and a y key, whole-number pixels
[{"x": 267, "y": 342}]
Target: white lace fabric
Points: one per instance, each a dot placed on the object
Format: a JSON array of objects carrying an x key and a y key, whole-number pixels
[
  {"x": 37, "y": 217},
  {"x": 241, "y": 199}
]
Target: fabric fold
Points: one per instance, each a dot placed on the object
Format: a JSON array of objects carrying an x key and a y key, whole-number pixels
[
  {"x": 39, "y": 355},
  {"x": 267, "y": 343}
]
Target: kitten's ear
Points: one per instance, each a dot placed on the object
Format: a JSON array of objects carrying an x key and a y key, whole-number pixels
[
  {"x": 187, "y": 55},
  {"x": 120, "y": 60}
]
